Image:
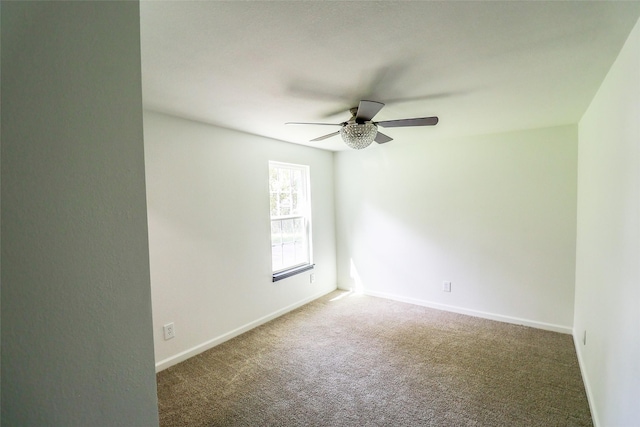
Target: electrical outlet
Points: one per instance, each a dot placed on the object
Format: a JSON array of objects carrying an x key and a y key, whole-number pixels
[
  {"x": 446, "y": 286},
  {"x": 169, "y": 331},
  {"x": 312, "y": 278}
]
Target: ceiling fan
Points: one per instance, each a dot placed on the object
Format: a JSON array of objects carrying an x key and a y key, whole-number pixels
[{"x": 360, "y": 130}]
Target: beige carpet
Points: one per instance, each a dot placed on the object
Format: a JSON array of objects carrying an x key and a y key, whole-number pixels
[{"x": 365, "y": 361}]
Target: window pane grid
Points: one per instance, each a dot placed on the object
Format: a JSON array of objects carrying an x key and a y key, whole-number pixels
[{"x": 288, "y": 199}]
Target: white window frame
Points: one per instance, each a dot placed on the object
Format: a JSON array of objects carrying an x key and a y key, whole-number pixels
[{"x": 304, "y": 215}]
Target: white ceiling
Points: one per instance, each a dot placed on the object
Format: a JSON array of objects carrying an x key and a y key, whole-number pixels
[{"x": 481, "y": 67}]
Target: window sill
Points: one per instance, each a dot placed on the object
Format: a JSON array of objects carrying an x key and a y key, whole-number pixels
[{"x": 292, "y": 272}]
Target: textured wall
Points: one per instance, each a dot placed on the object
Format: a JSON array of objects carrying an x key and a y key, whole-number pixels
[
  {"x": 209, "y": 232},
  {"x": 77, "y": 346},
  {"x": 493, "y": 214},
  {"x": 608, "y": 243}
]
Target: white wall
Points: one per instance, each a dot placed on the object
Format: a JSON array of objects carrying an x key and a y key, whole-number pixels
[
  {"x": 608, "y": 243},
  {"x": 77, "y": 347},
  {"x": 493, "y": 214},
  {"x": 209, "y": 232}
]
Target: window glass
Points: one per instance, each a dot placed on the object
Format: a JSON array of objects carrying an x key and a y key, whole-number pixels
[{"x": 289, "y": 205}]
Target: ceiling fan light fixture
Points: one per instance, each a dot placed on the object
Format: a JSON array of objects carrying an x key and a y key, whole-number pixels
[
  {"x": 360, "y": 130},
  {"x": 358, "y": 135}
]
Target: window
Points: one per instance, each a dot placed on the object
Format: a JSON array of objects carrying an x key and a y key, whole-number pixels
[{"x": 290, "y": 206}]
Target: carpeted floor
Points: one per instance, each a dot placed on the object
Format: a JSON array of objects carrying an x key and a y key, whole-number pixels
[{"x": 354, "y": 360}]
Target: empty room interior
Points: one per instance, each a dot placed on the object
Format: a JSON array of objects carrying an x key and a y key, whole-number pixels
[{"x": 144, "y": 220}]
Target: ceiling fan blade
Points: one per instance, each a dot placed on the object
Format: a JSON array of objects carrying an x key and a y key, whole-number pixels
[
  {"x": 421, "y": 121},
  {"x": 320, "y": 138},
  {"x": 323, "y": 124},
  {"x": 368, "y": 109},
  {"x": 381, "y": 138}
]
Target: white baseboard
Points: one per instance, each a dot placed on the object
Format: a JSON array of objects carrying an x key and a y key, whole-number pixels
[
  {"x": 585, "y": 380},
  {"x": 476, "y": 313},
  {"x": 180, "y": 357}
]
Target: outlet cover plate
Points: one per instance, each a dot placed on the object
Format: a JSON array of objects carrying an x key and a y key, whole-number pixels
[{"x": 169, "y": 331}]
